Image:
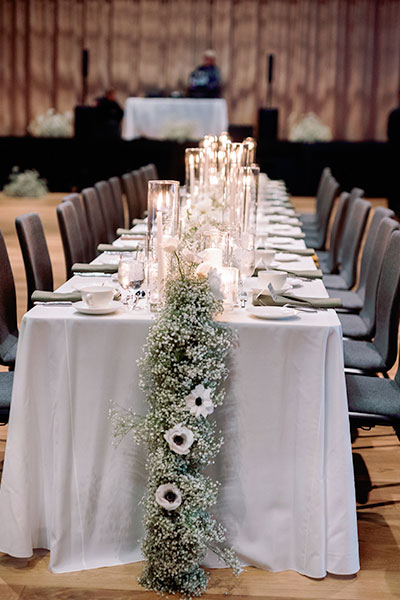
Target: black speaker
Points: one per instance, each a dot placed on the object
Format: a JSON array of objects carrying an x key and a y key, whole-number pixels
[
  {"x": 268, "y": 124},
  {"x": 86, "y": 122},
  {"x": 270, "y": 68},
  {"x": 85, "y": 62}
]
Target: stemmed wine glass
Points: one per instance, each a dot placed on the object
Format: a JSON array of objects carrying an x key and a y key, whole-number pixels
[
  {"x": 246, "y": 265},
  {"x": 131, "y": 275}
]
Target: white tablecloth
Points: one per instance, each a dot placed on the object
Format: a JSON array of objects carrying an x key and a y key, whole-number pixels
[
  {"x": 178, "y": 118},
  {"x": 287, "y": 496}
]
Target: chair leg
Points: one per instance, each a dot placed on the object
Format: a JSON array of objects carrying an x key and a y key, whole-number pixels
[{"x": 397, "y": 431}]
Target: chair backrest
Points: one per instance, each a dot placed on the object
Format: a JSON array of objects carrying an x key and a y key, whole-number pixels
[
  {"x": 369, "y": 247},
  {"x": 351, "y": 241},
  {"x": 8, "y": 309},
  {"x": 70, "y": 235},
  {"x": 388, "y": 303},
  {"x": 94, "y": 217},
  {"x": 337, "y": 232},
  {"x": 116, "y": 191},
  {"x": 357, "y": 192},
  {"x": 326, "y": 204},
  {"x": 32, "y": 241},
  {"x": 6, "y": 384},
  {"x": 382, "y": 236},
  {"x": 323, "y": 180},
  {"x": 153, "y": 172},
  {"x": 87, "y": 242},
  {"x": 103, "y": 190},
  {"x": 131, "y": 196},
  {"x": 140, "y": 182}
]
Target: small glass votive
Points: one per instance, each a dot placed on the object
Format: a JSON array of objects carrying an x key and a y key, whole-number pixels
[{"x": 230, "y": 284}]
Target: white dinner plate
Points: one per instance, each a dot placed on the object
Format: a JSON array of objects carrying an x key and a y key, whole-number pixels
[
  {"x": 272, "y": 312},
  {"x": 285, "y": 257},
  {"x": 275, "y": 241},
  {"x": 92, "y": 310}
]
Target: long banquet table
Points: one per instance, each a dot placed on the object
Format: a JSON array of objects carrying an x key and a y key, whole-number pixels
[{"x": 287, "y": 494}]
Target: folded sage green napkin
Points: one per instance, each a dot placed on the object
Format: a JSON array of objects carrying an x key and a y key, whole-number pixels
[
  {"x": 112, "y": 248},
  {"x": 42, "y": 296},
  {"x": 122, "y": 231},
  {"x": 308, "y": 274},
  {"x": 299, "y": 251},
  {"x": 282, "y": 299},
  {"x": 97, "y": 268}
]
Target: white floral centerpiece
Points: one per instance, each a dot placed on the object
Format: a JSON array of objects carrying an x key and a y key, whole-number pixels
[
  {"x": 182, "y": 372},
  {"x": 179, "y": 130},
  {"x": 309, "y": 128},
  {"x": 26, "y": 184},
  {"x": 52, "y": 124}
]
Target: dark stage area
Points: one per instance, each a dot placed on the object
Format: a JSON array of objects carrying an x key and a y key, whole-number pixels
[{"x": 69, "y": 163}]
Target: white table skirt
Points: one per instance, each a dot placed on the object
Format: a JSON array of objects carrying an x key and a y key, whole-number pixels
[
  {"x": 161, "y": 118},
  {"x": 287, "y": 496}
]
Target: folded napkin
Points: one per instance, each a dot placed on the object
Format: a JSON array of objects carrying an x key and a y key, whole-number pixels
[
  {"x": 294, "y": 223},
  {"x": 112, "y": 248},
  {"x": 307, "y": 273},
  {"x": 122, "y": 231},
  {"x": 299, "y": 251},
  {"x": 98, "y": 268},
  {"x": 42, "y": 296},
  {"x": 139, "y": 221},
  {"x": 266, "y": 300}
]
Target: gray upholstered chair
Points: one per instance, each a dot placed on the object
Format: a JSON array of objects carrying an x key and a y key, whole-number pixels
[
  {"x": 316, "y": 235},
  {"x": 88, "y": 246},
  {"x": 94, "y": 217},
  {"x": 132, "y": 199},
  {"x": 104, "y": 192},
  {"x": 379, "y": 355},
  {"x": 311, "y": 219},
  {"x": 329, "y": 259},
  {"x": 70, "y": 236},
  {"x": 32, "y": 241},
  {"x": 362, "y": 326},
  {"x": 140, "y": 182},
  {"x": 354, "y": 301},
  {"x": 116, "y": 191},
  {"x": 8, "y": 310},
  {"x": 152, "y": 170},
  {"x": 6, "y": 383},
  {"x": 350, "y": 247},
  {"x": 374, "y": 401}
]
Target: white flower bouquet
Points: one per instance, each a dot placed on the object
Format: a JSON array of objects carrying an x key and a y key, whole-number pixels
[
  {"x": 309, "y": 128},
  {"x": 26, "y": 184},
  {"x": 52, "y": 124}
]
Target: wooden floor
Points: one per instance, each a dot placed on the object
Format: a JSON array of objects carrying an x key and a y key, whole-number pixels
[{"x": 377, "y": 466}]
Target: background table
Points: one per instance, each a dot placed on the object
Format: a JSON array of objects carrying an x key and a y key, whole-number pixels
[
  {"x": 287, "y": 495},
  {"x": 176, "y": 118}
]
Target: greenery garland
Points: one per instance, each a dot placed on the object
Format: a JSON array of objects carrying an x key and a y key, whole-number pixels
[{"x": 182, "y": 371}]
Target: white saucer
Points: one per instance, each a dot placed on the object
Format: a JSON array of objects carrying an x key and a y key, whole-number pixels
[
  {"x": 94, "y": 310},
  {"x": 285, "y": 257},
  {"x": 266, "y": 291},
  {"x": 272, "y": 312},
  {"x": 294, "y": 282}
]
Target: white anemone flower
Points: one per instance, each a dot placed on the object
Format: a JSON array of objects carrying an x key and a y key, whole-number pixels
[
  {"x": 168, "y": 496},
  {"x": 179, "y": 438},
  {"x": 171, "y": 244},
  {"x": 190, "y": 256},
  {"x": 203, "y": 269},
  {"x": 198, "y": 402},
  {"x": 214, "y": 279}
]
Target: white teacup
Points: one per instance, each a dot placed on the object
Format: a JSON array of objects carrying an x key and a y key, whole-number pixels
[
  {"x": 264, "y": 257},
  {"x": 278, "y": 280},
  {"x": 97, "y": 296}
]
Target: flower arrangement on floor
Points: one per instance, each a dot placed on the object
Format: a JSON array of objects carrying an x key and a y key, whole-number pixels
[
  {"x": 26, "y": 184},
  {"x": 52, "y": 124},
  {"x": 308, "y": 128},
  {"x": 182, "y": 371}
]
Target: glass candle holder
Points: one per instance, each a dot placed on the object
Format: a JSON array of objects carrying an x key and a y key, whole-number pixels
[
  {"x": 194, "y": 171},
  {"x": 248, "y": 209},
  {"x": 230, "y": 283},
  {"x": 162, "y": 223}
]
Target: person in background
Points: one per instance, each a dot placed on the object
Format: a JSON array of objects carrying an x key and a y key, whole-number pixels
[
  {"x": 205, "y": 80},
  {"x": 393, "y": 133},
  {"x": 109, "y": 115}
]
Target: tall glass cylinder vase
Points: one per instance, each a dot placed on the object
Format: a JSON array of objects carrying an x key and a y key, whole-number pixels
[
  {"x": 250, "y": 177},
  {"x": 194, "y": 170},
  {"x": 162, "y": 223}
]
